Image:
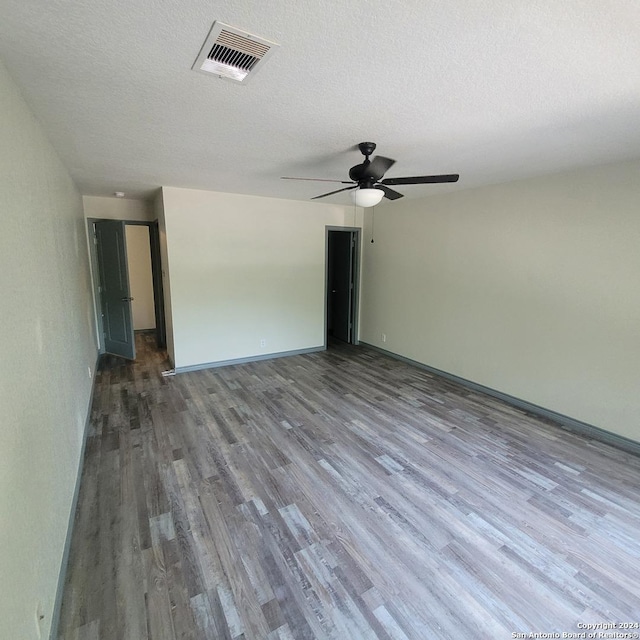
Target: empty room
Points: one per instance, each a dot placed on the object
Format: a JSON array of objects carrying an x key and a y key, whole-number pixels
[{"x": 320, "y": 320}]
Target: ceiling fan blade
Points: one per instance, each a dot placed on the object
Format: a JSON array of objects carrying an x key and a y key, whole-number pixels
[
  {"x": 377, "y": 168},
  {"x": 389, "y": 193},
  {"x": 317, "y": 180},
  {"x": 449, "y": 177},
  {"x": 324, "y": 195}
]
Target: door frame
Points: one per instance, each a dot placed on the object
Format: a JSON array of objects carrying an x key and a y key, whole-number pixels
[
  {"x": 355, "y": 279},
  {"x": 156, "y": 276}
]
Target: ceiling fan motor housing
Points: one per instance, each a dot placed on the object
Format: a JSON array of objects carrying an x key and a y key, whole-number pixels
[{"x": 356, "y": 173}]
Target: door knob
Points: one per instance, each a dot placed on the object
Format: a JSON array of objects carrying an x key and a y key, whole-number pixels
[{"x": 126, "y": 299}]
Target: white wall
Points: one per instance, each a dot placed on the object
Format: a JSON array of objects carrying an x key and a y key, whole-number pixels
[
  {"x": 531, "y": 288},
  {"x": 47, "y": 344},
  {"x": 245, "y": 269},
  {"x": 140, "y": 276},
  {"x": 118, "y": 208}
]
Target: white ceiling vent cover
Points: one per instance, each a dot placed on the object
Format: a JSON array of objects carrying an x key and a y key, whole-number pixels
[{"x": 230, "y": 53}]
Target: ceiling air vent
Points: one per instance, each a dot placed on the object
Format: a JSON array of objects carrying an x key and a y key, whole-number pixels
[{"x": 230, "y": 53}]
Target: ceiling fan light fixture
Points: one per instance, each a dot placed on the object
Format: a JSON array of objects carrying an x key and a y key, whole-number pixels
[{"x": 367, "y": 197}]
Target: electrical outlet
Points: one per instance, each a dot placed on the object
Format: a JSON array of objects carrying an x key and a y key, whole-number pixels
[
  {"x": 384, "y": 337},
  {"x": 263, "y": 343}
]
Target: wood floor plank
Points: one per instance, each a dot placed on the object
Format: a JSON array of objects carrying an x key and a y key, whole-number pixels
[
  {"x": 157, "y": 603},
  {"x": 132, "y": 618},
  {"x": 339, "y": 495}
]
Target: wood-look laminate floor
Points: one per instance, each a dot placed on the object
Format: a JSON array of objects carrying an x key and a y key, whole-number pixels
[{"x": 340, "y": 495}]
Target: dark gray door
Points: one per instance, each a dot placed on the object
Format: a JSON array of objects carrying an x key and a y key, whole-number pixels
[
  {"x": 158, "y": 293},
  {"x": 340, "y": 280},
  {"x": 114, "y": 288}
]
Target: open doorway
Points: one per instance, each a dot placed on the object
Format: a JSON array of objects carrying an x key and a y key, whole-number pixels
[
  {"x": 342, "y": 284},
  {"x": 127, "y": 278}
]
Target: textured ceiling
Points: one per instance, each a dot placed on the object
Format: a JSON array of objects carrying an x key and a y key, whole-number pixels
[{"x": 492, "y": 89}]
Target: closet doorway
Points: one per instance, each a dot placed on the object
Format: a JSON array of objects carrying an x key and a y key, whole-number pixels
[
  {"x": 342, "y": 251},
  {"x": 127, "y": 277}
]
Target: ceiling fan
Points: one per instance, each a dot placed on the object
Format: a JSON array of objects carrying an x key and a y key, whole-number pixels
[{"x": 367, "y": 179}]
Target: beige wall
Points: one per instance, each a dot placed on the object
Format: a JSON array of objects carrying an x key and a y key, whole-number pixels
[
  {"x": 530, "y": 288},
  {"x": 48, "y": 345},
  {"x": 245, "y": 269},
  {"x": 118, "y": 208},
  {"x": 140, "y": 277}
]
